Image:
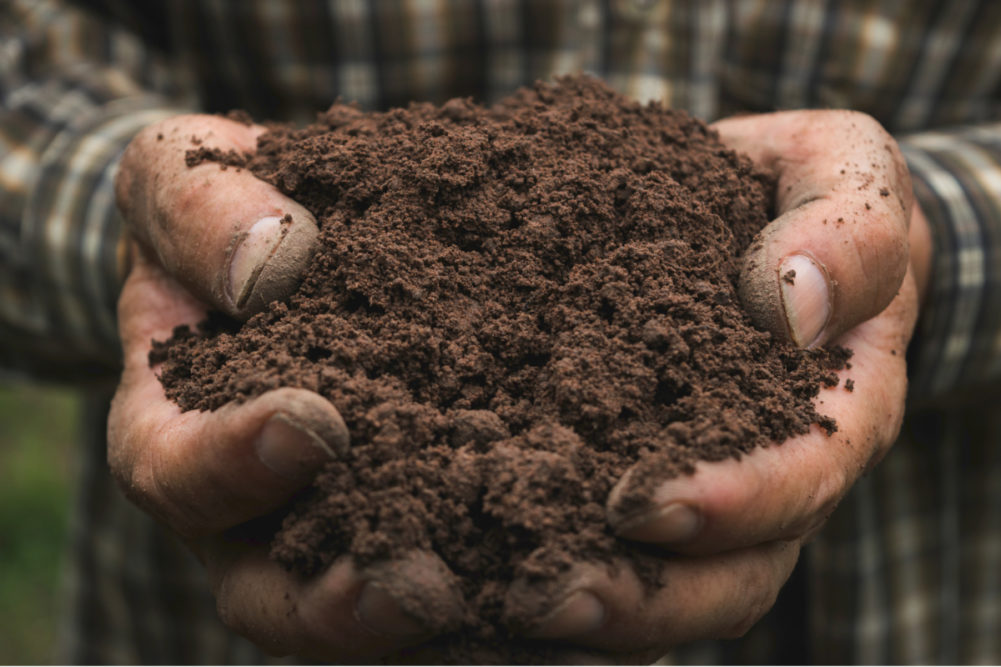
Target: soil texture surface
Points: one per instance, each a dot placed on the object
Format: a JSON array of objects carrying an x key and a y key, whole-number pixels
[{"x": 512, "y": 306}]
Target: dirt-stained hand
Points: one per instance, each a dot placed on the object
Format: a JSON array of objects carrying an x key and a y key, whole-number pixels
[
  {"x": 208, "y": 237},
  {"x": 731, "y": 533}
]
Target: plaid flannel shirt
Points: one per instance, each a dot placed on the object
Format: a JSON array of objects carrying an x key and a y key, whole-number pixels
[{"x": 908, "y": 569}]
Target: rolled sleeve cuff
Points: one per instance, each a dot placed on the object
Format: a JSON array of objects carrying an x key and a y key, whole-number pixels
[
  {"x": 957, "y": 183},
  {"x": 71, "y": 234}
]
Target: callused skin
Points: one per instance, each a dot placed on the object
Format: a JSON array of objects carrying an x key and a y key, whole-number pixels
[{"x": 212, "y": 238}]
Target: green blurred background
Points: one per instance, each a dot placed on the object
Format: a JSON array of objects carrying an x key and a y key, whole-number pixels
[{"x": 37, "y": 460}]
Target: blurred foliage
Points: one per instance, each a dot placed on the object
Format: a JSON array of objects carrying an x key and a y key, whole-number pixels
[{"x": 37, "y": 457}]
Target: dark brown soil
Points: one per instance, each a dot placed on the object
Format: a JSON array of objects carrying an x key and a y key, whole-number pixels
[{"x": 511, "y": 307}]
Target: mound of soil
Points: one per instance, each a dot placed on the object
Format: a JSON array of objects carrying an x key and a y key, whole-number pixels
[{"x": 511, "y": 307}]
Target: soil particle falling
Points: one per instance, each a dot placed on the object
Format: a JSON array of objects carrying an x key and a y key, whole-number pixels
[{"x": 511, "y": 307}]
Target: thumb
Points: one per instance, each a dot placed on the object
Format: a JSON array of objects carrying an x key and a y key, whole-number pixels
[
  {"x": 233, "y": 240},
  {"x": 838, "y": 251}
]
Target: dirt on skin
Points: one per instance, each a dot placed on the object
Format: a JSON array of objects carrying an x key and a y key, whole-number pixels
[{"x": 511, "y": 307}]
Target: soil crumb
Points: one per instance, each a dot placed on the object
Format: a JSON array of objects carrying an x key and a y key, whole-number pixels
[{"x": 512, "y": 306}]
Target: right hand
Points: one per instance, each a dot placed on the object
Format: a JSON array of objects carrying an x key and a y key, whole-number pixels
[{"x": 208, "y": 237}]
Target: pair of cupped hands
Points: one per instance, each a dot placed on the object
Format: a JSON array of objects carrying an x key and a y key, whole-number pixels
[{"x": 211, "y": 238}]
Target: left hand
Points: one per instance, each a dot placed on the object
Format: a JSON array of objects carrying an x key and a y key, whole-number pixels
[
  {"x": 214, "y": 238},
  {"x": 861, "y": 250}
]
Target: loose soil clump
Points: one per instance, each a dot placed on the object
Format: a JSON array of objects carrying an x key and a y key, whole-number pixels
[{"x": 511, "y": 307}]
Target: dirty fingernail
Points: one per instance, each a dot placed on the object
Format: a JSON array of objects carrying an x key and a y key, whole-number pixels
[
  {"x": 289, "y": 449},
  {"x": 580, "y": 613},
  {"x": 378, "y": 611},
  {"x": 806, "y": 298},
  {"x": 250, "y": 256},
  {"x": 675, "y": 523}
]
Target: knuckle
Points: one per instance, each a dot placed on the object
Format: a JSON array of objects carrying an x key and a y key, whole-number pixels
[
  {"x": 884, "y": 223},
  {"x": 147, "y": 137},
  {"x": 186, "y": 195},
  {"x": 137, "y": 180},
  {"x": 128, "y": 180},
  {"x": 147, "y": 142},
  {"x": 881, "y": 250},
  {"x": 883, "y": 150},
  {"x": 882, "y": 241},
  {"x": 861, "y": 123}
]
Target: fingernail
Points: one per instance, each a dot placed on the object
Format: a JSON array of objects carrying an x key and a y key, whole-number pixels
[
  {"x": 675, "y": 523},
  {"x": 580, "y": 613},
  {"x": 806, "y": 298},
  {"x": 378, "y": 611},
  {"x": 250, "y": 256},
  {"x": 289, "y": 449}
]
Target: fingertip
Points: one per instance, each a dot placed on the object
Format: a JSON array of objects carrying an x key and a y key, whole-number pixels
[
  {"x": 289, "y": 450},
  {"x": 352, "y": 612},
  {"x": 310, "y": 413},
  {"x": 268, "y": 261},
  {"x": 232, "y": 239},
  {"x": 380, "y": 612},
  {"x": 668, "y": 513},
  {"x": 672, "y": 524},
  {"x": 723, "y": 504},
  {"x": 416, "y": 595},
  {"x": 789, "y": 295},
  {"x": 210, "y": 471},
  {"x": 686, "y": 599},
  {"x": 298, "y": 432},
  {"x": 580, "y": 613},
  {"x": 813, "y": 274},
  {"x": 837, "y": 254},
  {"x": 567, "y": 605}
]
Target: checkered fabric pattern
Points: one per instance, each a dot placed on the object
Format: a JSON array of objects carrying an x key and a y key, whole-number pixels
[{"x": 909, "y": 568}]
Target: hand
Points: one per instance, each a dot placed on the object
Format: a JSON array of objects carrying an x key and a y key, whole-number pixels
[
  {"x": 860, "y": 248},
  {"x": 213, "y": 237}
]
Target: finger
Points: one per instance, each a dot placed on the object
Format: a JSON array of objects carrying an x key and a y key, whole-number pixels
[
  {"x": 788, "y": 490},
  {"x": 344, "y": 613},
  {"x": 200, "y": 472},
  {"x": 608, "y": 607},
  {"x": 233, "y": 240},
  {"x": 837, "y": 252}
]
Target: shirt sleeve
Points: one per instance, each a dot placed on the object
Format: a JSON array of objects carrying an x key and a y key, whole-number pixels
[
  {"x": 75, "y": 89},
  {"x": 957, "y": 182}
]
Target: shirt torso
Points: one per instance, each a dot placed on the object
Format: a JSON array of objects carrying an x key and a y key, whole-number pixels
[{"x": 286, "y": 60}]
